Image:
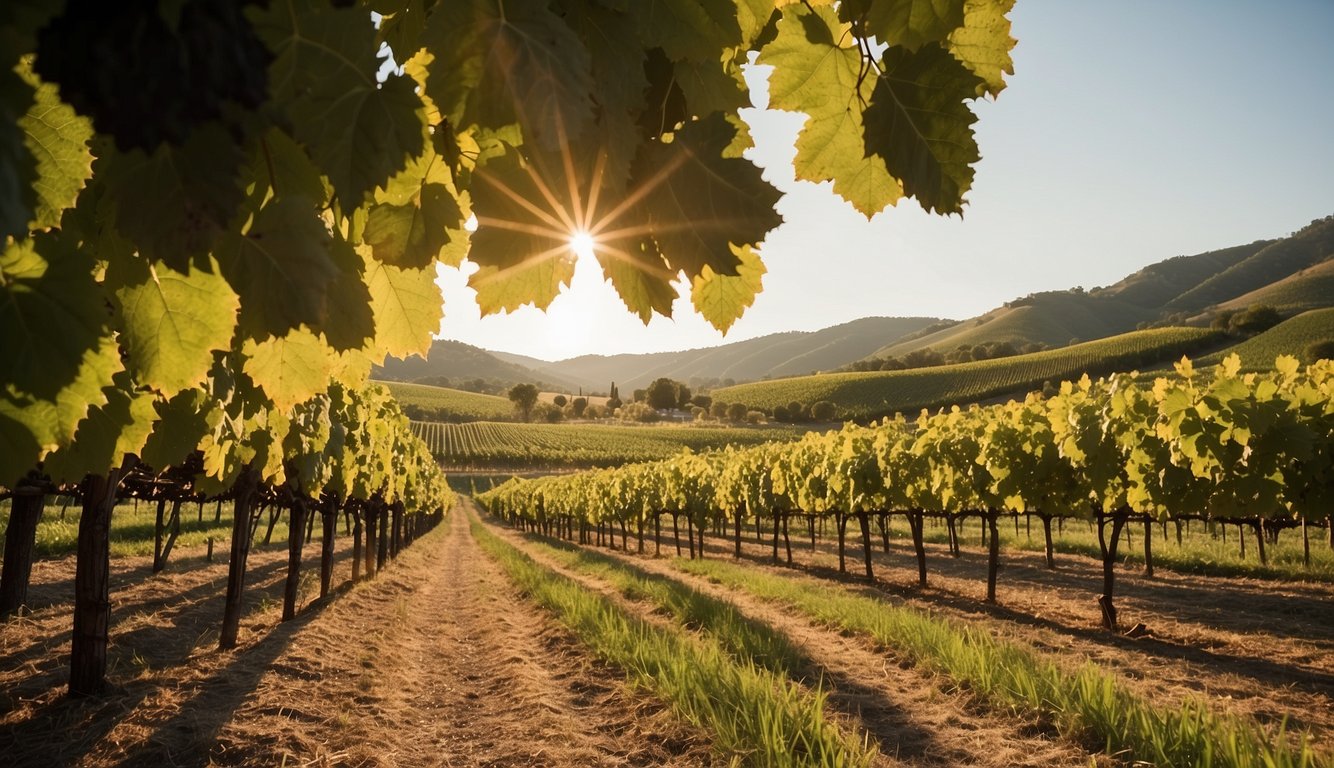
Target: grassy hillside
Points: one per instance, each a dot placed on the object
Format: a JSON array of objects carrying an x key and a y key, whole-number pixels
[
  {"x": 1158, "y": 284},
  {"x": 439, "y": 403},
  {"x": 1310, "y": 288},
  {"x": 1305, "y": 249},
  {"x": 869, "y": 395},
  {"x": 1293, "y": 336},
  {"x": 1053, "y": 319},
  {"x": 782, "y": 354}
]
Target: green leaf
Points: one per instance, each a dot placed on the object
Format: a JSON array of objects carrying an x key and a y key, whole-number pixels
[
  {"x": 693, "y": 30},
  {"x": 58, "y": 140},
  {"x": 408, "y": 309},
  {"x": 697, "y": 202},
  {"x": 906, "y": 23},
  {"x": 52, "y": 313},
  {"x": 522, "y": 241},
  {"x": 172, "y": 322},
  {"x": 351, "y": 323},
  {"x": 18, "y": 168},
  {"x": 290, "y": 369},
  {"x": 920, "y": 123},
  {"x": 281, "y": 268},
  {"x": 359, "y": 131},
  {"x": 174, "y": 203},
  {"x": 640, "y": 276},
  {"x": 516, "y": 61},
  {"x": 819, "y": 70},
  {"x": 106, "y": 434},
  {"x": 280, "y": 167},
  {"x": 711, "y": 86},
  {"x": 416, "y": 214},
  {"x": 984, "y": 43},
  {"x": 181, "y": 425},
  {"x": 721, "y": 299}
]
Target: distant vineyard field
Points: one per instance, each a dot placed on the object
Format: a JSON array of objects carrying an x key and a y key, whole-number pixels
[
  {"x": 421, "y": 401},
  {"x": 491, "y": 444},
  {"x": 1293, "y": 336},
  {"x": 880, "y": 393}
]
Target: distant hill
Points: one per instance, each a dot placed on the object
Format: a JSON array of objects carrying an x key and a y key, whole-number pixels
[
  {"x": 452, "y": 362},
  {"x": 776, "y": 355},
  {"x": 1293, "y": 274},
  {"x": 1294, "y": 336}
]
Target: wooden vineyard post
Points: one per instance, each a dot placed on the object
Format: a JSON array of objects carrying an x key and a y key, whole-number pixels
[
  {"x": 92, "y": 585},
  {"x": 993, "y": 554},
  {"x": 329, "y": 513},
  {"x": 382, "y": 536},
  {"x": 243, "y": 495},
  {"x": 1046, "y": 536},
  {"x": 356, "y": 544},
  {"x": 787, "y": 541},
  {"x": 915, "y": 523},
  {"x": 841, "y": 522},
  {"x": 1148, "y": 547},
  {"x": 865, "y": 523},
  {"x": 1107, "y": 546},
  {"x": 20, "y": 537},
  {"x": 736, "y": 536},
  {"x": 296, "y": 537}
]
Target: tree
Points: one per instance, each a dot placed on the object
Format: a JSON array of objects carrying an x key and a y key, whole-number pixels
[
  {"x": 662, "y": 394},
  {"x": 736, "y": 412},
  {"x": 560, "y": 400},
  {"x": 578, "y": 406},
  {"x": 524, "y": 397},
  {"x": 824, "y": 410},
  {"x": 703, "y": 401}
]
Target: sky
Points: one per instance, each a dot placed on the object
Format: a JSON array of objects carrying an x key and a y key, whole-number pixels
[{"x": 1131, "y": 132}]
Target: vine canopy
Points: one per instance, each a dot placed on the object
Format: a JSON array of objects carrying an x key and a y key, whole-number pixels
[{"x": 269, "y": 188}]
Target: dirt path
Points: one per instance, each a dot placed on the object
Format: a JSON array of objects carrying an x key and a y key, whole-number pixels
[
  {"x": 913, "y": 719},
  {"x": 441, "y": 662},
  {"x": 436, "y": 662}
]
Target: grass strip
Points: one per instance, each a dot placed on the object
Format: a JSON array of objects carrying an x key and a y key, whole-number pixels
[
  {"x": 744, "y": 638},
  {"x": 1084, "y": 703},
  {"x": 756, "y": 717}
]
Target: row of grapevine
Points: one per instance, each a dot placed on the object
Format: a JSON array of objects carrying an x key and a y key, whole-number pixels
[
  {"x": 345, "y": 451},
  {"x": 1254, "y": 449},
  {"x": 503, "y": 444}
]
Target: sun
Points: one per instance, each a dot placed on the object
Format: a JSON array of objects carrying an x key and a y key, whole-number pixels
[{"x": 583, "y": 244}]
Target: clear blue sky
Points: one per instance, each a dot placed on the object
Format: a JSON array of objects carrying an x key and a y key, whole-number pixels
[{"x": 1131, "y": 132}]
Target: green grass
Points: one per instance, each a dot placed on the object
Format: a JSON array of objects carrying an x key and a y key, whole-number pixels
[
  {"x": 492, "y": 444},
  {"x": 132, "y": 528},
  {"x": 1199, "y": 551},
  {"x": 756, "y": 717},
  {"x": 1290, "y": 337},
  {"x": 1085, "y": 703},
  {"x": 880, "y": 393},
  {"x": 442, "y": 404},
  {"x": 744, "y": 638}
]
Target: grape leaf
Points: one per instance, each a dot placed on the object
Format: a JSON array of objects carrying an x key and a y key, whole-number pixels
[
  {"x": 920, "y": 123},
  {"x": 408, "y": 309},
  {"x": 721, "y": 299},
  {"x": 280, "y": 167},
  {"x": 693, "y": 30},
  {"x": 290, "y": 369},
  {"x": 711, "y": 86},
  {"x": 411, "y": 223},
  {"x": 280, "y": 267},
  {"x": 350, "y": 323},
  {"x": 499, "y": 63},
  {"x": 179, "y": 429},
  {"x": 697, "y": 202},
  {"x": 522, "y": 237},
  {"x": 18, "y": 168},
  {"x": 172, "y": 322},
  {"x": 818, "y": 70},
  {"x": 58, "y": 140},
  {"x": 640, "y": 276},
  {"x": 323, "y": 76},
  {"x": 984, "y": 43},
  {"x": 906, "y": 23},
  {"x": 174, "y": 203},
  {"x": 52, "y": 313},
  {"x": 106, "y": 434}
]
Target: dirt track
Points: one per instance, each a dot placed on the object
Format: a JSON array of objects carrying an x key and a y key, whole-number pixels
[{"x": 435, "y": 662}]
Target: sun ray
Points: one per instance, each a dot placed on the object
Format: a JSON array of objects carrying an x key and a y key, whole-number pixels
[{"x": 522, "y": 201}]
